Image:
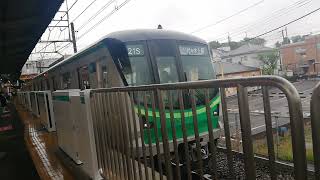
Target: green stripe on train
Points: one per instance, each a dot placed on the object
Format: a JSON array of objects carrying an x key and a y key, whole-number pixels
[
  {"x": 187, "y": 112},
  {"x": 82, "y": 100},
  {"x": 202, "y": 121},
  {"x": 61, "y": 98}
]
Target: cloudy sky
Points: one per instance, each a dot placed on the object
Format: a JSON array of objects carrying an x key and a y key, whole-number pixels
[{"x": 207, "y": 19}]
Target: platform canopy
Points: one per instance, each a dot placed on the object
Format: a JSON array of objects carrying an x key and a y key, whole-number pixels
[{"x": 22, "y": 22}]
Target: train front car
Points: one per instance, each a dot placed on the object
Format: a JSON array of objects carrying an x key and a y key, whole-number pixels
[{"x": 159, "y": 57}]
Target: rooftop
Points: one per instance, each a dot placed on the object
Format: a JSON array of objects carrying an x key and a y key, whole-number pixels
[
  {"x": 247, "y": 49},
  {"x": 231, "y": 68}
]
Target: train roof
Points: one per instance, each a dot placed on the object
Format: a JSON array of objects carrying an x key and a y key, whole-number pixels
[
  {"x": 152, "y": 34},
  {"x": 133, "y": 35}
]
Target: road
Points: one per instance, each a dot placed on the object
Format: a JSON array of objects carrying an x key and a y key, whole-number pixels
[{"x": 278, "y": 103}]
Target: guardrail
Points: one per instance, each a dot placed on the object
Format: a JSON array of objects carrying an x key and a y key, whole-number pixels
[
  {"x": 123, "y": 150},
  {"x": 315, "y": 125}
]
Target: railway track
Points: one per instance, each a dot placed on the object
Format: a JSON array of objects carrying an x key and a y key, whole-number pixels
[{"x": 283, "y": 170}]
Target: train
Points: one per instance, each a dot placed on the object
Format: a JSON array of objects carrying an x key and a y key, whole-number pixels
[{"x": 142, "y": 57}]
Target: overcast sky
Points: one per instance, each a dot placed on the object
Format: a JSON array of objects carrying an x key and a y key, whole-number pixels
[{"x": 257, "y": 16}]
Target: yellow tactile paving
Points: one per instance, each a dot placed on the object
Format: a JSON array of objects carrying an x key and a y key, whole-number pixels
[{"x": 41, "y": 146}]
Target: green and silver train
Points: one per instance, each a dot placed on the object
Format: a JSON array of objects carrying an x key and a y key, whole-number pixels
[{"x": 142, "y": 57}]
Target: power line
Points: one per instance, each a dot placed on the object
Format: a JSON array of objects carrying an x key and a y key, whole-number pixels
[
  {"x": 96, "y": 14},
  {"x": 295, "y": 20},
  {"x": 98, "y": 23},
  {"x": 66, "y": 13},
  {"x": 73, "y": 5},
  {"x": 224, "y": 19},
  {"x": 104, "y": 18},
  {"x": 267, "y": 19},
  {"x": 65, "y": 46},
  {"x": 270, "y": 19},
  {"x": 83, "y": 10}
]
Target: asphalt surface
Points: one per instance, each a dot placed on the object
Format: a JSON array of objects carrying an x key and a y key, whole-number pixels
[
  {"x": 278, "y": 103},
  {"x": 16, "y": 163}
]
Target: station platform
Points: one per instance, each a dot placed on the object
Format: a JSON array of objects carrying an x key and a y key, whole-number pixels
[
  {"x": 42, "y": 147},
  {"x": 15, "y": 161}
]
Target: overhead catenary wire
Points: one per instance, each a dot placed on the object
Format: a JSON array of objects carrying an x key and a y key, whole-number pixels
[
  {"x": 98, "y": 23},
  {"x": 226, "y": 18},
  {"x": 85, "y": 9},
  {"x": 104, "y": 18},
  {"x": 73, "y": 5},
  {"x": 68, "y": 9},
  {"x": 286, "y": 24},
  {"x": 264, "y": 21},
  {"x": 96, "y": 14},
  {"x": 92, "y": 17}
]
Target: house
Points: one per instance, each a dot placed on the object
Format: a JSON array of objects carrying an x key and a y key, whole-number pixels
[
  {"x": 217, "y": 54},
  {"x": 247, "y": 55},
  {"x": 235, "y": 70},
  {"x": 302, "y": 58},
  {"x": 32, "y": 68}
]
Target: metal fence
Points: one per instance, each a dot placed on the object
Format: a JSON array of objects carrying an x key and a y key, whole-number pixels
[
  {"x": 124, "y": 117},
  {"x": 315, "y": 125}
]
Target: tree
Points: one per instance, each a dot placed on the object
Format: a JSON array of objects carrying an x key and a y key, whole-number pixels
[
  {"x": 277, "y": 44},
  {"x": 235, "y": 44},
  {"x": 286, "y": 40},
  {"x": 297, "y": 38},
  {"x": 214, "y": 44},
  {"x": 255, "y": 41},
  {"x": 269, "y": 61}
]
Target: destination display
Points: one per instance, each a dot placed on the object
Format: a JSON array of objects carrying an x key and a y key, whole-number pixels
[
  {"x": 192, "y": 50},
  {"x": 135, "y": 50}
]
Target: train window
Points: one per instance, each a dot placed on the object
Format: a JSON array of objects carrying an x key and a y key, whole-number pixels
[
  {"x": 197, "y": 65},
  {"x": 137, "y": 72},
  {"x": 41, "y": 86},
  {"x": 48, "y": 84},
  {"x": 43, "y": 83},
  {"x": 164, "y": 52},
  {"x": 167, "y": 69},
  {"x": 104, "y": 76},
  {"x": 196, "y": 62},
  {"x": 83, "y": 73},
  {"x": 54, "y": 87},
  {"x": 66, "y": 80},
  {"x": 93, "y": 78}
]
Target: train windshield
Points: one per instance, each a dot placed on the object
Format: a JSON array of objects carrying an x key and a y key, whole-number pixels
[
  {"x": 164, "y": 53},
  {"x": 196, "y": 66},
  {"x": 139, "y": 72},
  {"x": 196, "y": 62}
]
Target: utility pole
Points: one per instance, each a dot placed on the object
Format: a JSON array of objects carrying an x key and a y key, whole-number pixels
[
  {"x": 286, "y": 31},
  {"x": 73, "y": 38},
  {"x": 229, "y": 39},
  {"x": 282, "y": 35}
]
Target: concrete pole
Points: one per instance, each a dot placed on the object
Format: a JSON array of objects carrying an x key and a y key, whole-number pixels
[{"x": 73, "y": 38}]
